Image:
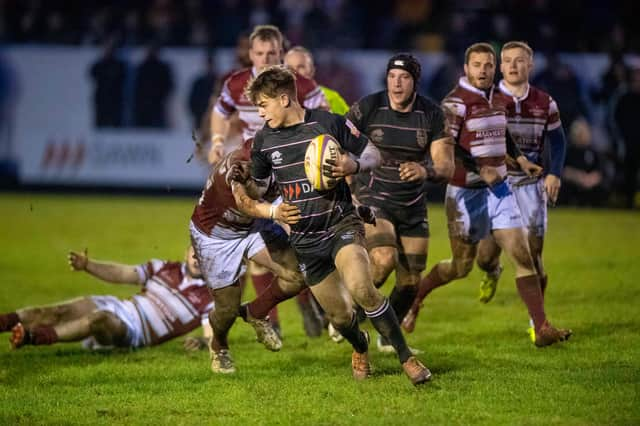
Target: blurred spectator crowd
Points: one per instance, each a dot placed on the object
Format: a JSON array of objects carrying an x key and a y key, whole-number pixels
[
  {"x": 424, "y": 25},
  {"x": 598, "y": 115}
]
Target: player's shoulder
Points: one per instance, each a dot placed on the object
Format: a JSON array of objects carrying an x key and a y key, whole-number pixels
[
  {"x": 258, "y": 138},
  {"x": 238, "y": 79},
  {"x": 153, "y": 266},
  {"x": 539, "y": 95},
  {"x": 305, "y": 85},
  {"x": 426, "y": 104},
  {"x": 322, "y": 116},
  {"x": 457, "y": 94},
  {"x": 374, "y": 101},
  {"x": 456, "y": 100}
]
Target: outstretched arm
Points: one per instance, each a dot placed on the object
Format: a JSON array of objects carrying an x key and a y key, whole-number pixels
[{"x": 107, "y": 271}]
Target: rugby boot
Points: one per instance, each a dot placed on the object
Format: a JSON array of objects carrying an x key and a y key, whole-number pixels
[
  {"x": 489, "y": 284},
  {"x": 19, "y": 336},
  {"x": 221, "y": 361},
  {"x": 416, "y": 371},
  {"x": 548, "y": 335},
  {"x": 265, "y": 333},
  {"x": 531, "y": 331},
  {"x": 360, "y": 366}
]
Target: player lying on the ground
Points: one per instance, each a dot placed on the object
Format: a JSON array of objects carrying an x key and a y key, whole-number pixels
[{"x": 173, "y": 301}]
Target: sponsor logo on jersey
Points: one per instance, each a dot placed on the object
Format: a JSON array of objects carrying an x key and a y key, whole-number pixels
[
  {"x": 490, "y": 133},
  {"x": 293, "y": 191},
  {"x": 536, "y": 111},
  {"x": 377, "y": 135},
  {"x": 276, "y": 158}
]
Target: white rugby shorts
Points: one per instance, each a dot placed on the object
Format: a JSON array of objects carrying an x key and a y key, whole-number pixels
[
  {"x": 532, "y": 200},
  {"x": 127, "y": 313},
  {"x": 472, "y": 213},
  {"x": 222, "y": 253}
]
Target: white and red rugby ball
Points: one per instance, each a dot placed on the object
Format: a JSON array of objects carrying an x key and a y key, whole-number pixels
[{"x": 321, "y": 148}]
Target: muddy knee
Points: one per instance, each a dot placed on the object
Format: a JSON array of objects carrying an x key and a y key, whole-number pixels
[
  {"x": 341, "y": 319},
  {"x": 106, "y": 327},
  {"x": 383, "y": 261},
  {"x": 462, "y": 267},
  {"x": 487, "y": 263}
]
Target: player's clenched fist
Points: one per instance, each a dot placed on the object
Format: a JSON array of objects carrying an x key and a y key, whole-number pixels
[{"x": 78, "y": 261}]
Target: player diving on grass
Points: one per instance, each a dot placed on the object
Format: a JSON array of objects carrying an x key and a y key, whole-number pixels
[{"x": 173, "y": 301}]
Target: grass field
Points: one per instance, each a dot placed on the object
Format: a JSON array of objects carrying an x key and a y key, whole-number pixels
[{"x": 486, "y": 371}]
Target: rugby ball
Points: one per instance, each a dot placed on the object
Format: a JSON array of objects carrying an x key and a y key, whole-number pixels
[{"x": 321, "y": 148}]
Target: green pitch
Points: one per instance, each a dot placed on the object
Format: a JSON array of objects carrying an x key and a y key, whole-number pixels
[{"x": 486, "y": 371}]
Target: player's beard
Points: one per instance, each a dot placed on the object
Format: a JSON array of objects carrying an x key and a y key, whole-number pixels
[{"x": 478, "y": 85}]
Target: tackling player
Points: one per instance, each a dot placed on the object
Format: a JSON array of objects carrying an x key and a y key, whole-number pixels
[{"x": 223, "y": 238}]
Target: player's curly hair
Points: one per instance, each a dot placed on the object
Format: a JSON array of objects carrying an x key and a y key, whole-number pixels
[{"x": 271, "y": 82}]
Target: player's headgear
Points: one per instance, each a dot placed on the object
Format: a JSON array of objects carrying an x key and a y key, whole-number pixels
[{"x": 407, "y": 62}]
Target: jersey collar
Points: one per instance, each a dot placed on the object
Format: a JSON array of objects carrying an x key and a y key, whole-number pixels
[
  {"x": 464, "y": 83},
  {"x": 503, "y": 88}
]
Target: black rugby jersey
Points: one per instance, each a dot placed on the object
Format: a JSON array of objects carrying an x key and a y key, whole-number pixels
[
  {"x": 400, "y": 137},
  {"x": 282, "y": 151}
]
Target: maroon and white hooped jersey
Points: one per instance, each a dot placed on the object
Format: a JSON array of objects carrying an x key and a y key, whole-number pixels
[
  {"x": 529, "y": 118},
  {"x": 217, "y": 206},
  {"x": 479, "y": 125},
  {"x": 232, "y": 99},
  {"x": 171, "y": 303}
]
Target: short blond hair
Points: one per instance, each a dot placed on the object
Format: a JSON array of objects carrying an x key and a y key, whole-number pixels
[
  {"x": 479, "y": 48},
  {"x": 518, "y": 45},
  {"x": 265, "y": 33}
]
